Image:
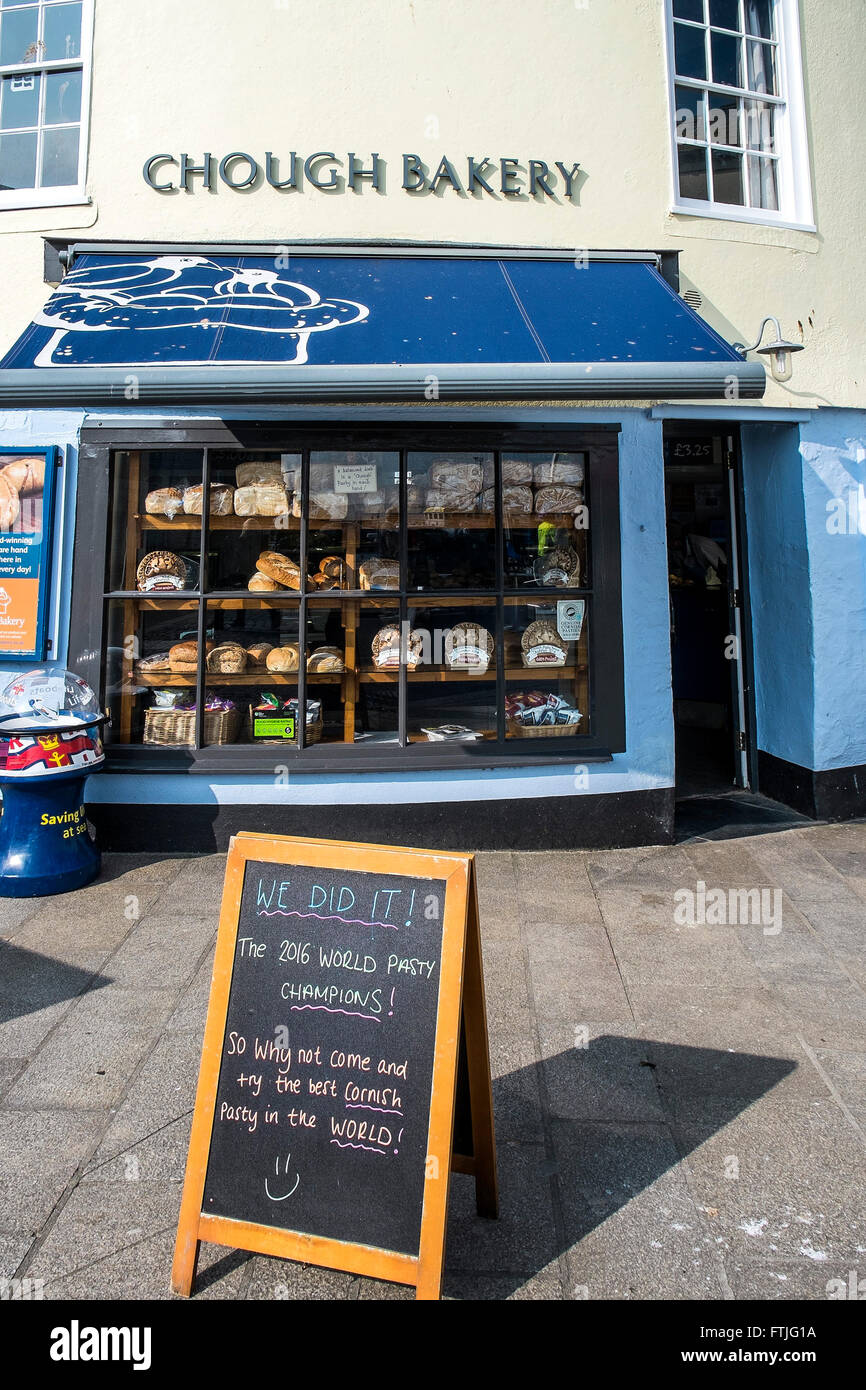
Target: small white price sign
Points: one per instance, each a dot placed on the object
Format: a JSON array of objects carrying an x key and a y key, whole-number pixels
[
  {"x": 355, "y": 477},
  {"x": 569, "y": 618}
]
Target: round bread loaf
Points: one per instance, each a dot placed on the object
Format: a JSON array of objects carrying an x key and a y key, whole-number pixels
[
  {"x": 279, "y": 567},
  {"x": 228, "y": 658},
  {"x": 285, "y": 658},
  {"x": 260, "y": 584},
  {"x": 26, "y": 475},
  {"x": 183, "y": 656},
  {"x": 10, "y": 505},
  {"x": 161, "y": 565},
  {"x": 326, "y": 659},
  {"x": 332, "y": 566},
  {"x": 257, "y": 653}
]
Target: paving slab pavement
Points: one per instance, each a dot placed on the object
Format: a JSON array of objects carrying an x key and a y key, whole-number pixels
[{"x": 680, "y": 1106}]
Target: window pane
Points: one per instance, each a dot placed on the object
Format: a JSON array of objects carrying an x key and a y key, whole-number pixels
[
  {"x": 690, "y": 52},
  {"x": 353, "y": 535},
  {"x": 19, "y": 104},
  {"x": 62, "y": 97},
  {"x": 154, "y": 544},
  {"x": 725, "y": 13},
  {"x": 690, "y": 114},
  {"x": 255, "y": 542},
  {"x": 727, "y": 60},
  {"x": 693, "y": 171},
  {"x": 246, "y": 699},
  {"x": 60, "y": 157},
  {"x": 760, "y": 126},
  {"x": 18, "y": 161},
  {"x": 763, "y": 183},
  {"x": 352, "y": 655},
  {"x": 546, "y": 669},
  {"x": 762, "y": 68},
  {"x": 62, "y": 31},
  {"x": 689, "y": 9},
  {"x": 18, "y": 34},
  {"x": 724, "y": 119},
  {"x": 545, "y": 520},
  {"x": 451, "y": 695},
  {"x": 759, "y": 18},
  {"x": 727, "y": 178},
  {"x": 452, "y": 522}
]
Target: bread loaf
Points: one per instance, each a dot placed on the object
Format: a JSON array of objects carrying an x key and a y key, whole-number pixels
[
  {"x": 183, "y": 656},
  {"x": 221, "y": 499},
  {"x": 286, "y": 658},
  {"x": 26, "y": 475},
  {"x": 261, "y": 499},
  {"x": 10, "y": 505},
  {"x": 229, "y": 658},
  {"x": 515, "y": 498},
  {"x": 451, "y": 499},
  {"x": 453, "y": 474},
  {"x": 153, "y": 665},
  {"x": 261, "y": 584},
  {"x": 332, "y": 566},
  {"x": 257, "y": 653},
  {"x": 164, "y": 501},
  {"x": 280, "y": 568},
  {"x": 558, "y": 498},
  {"x": 323, "y": 506},
  {"x": 515, "y": 471},
  {"x": 379, "y": 574},
  {"x": 253, "y": 471},
  {"x": 161, "y": 569},
  {"x": 562, "y": 468},
  {"x": 326, "y": 659}
]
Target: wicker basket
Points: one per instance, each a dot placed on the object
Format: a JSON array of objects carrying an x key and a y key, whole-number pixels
[
  {"x": 517, "y": 730},
  {"x": 176, "y": 728}
]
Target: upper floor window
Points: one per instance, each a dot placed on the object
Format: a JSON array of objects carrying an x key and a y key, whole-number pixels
[
  {"x": 737, "y": 99},
  {"x": 44, "y": 100}
]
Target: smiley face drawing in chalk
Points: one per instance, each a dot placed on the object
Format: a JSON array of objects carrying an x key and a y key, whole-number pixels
[{"x": 282, "y": 1196}]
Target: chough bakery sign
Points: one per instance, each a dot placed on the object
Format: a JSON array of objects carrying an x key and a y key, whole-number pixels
[{"x": 331, "y": 173}]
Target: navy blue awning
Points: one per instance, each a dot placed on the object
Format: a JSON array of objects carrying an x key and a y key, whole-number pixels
[{"x": 195, "y": 327}]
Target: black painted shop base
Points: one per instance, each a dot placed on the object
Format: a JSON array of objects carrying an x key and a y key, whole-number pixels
[{"x": 613, "y": 821}]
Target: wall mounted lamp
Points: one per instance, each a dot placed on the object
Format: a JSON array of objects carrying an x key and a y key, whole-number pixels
[{"x": 780, "y": 351}]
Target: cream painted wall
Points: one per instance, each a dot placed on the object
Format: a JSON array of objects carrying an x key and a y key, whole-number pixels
[{"x": 546, "y": 79}]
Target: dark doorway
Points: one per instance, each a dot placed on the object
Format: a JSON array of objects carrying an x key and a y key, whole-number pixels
[{"x": 707, "y": 612}]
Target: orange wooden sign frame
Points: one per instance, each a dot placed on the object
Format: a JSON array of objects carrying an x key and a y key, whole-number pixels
[{"x": 461, "y": 998}]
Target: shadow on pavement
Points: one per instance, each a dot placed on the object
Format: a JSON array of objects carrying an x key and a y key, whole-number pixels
[{"x": 30, "y": 981}]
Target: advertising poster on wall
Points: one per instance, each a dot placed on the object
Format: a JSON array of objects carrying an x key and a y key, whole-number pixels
[{"x": 26, "y": 517}]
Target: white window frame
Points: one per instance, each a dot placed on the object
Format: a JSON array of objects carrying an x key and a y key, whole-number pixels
[
  {"x": 794, "y": 173},
  {"x": 60, "y": 195}
]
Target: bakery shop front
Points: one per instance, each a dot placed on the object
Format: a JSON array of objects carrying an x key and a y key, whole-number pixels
[{"x": 355, "y": 551}]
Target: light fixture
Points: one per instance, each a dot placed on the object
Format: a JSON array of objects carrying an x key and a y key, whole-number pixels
[{"x": 779, "y": 351}]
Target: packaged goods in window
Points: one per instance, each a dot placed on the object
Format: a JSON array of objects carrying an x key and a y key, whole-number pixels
[
  {"x": 261, "y": 584},
  {"x": 221, "y": 499},
  {"x": 183, "y": 657},
  {"x": 558, "y": 568},
  {"x": 228, "y": 658},
  {"x": 169, "y": 699},
  {"x": 379, "y": 574},
  {"x": 26, "y": 475},
  {"x": 386, "y": 648},
  {"x": 562, "y": 468},
  {"x": 280, "y": 568},
  {"x": 515, "y": 472},
  {"x": 164, "y": 501},
  {"x": 451, "y": 499},
  {"x": 323, "y": 506},
  {"x": 285, "y": 658},
  {"x": 161, "y": 570},
  {"x": 468, "y": 647},
  {"x": 153, "y": 665},
  {"x": 451, "y": 733},
  {"x": 274, "y": 720},
  {"x": 326, "y": 659},
  {"x": 257, "y": 653},
  {"x": 558, "y": 499},
  {"x": 261, "y": 499},
  {"x": 254, "y": 471},
  {"x": 515, "y": 498},
  {"x": 10, "y": 505},
  {"x": 537, "y": 713},
  {"x": 452, "y": 474},
  {"x": 542, "y": 645}
]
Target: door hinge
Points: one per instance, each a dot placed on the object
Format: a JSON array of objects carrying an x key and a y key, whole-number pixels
[
  {"x": 741, "y": 740},
  {"x": 736, "y": 598}
]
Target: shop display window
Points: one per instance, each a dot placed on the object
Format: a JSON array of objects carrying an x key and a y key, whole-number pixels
[{"x": 300, "y": 598}]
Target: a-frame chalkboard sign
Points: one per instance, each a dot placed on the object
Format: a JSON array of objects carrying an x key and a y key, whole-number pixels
[{"x": 346, "y": 1029}]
